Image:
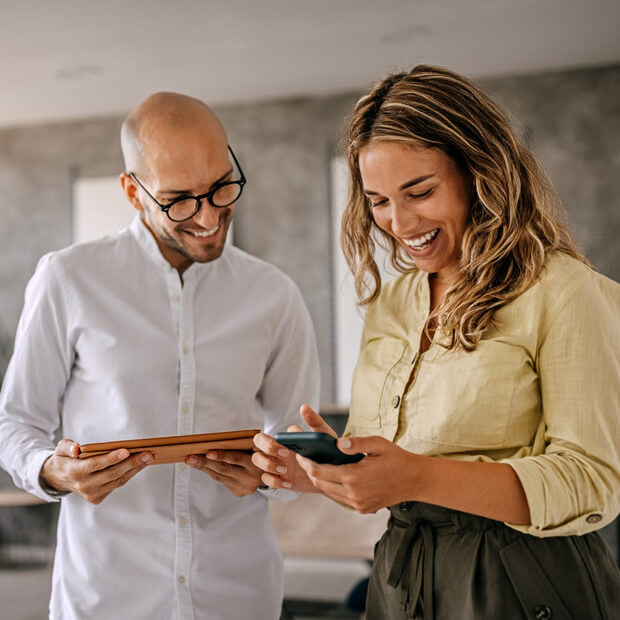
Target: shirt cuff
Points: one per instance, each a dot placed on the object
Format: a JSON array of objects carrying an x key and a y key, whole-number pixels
[
  {"x": 281, "y": 495},
  {"x": 539, "y": 496},
  {"x": 38, "y": 485}
]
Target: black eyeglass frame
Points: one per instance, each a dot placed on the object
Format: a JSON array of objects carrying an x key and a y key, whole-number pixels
[{"x": 208, "y": 195}]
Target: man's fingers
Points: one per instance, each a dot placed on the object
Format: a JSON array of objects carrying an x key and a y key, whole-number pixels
[
  {"x": 196, "y": 460},
  {"x": 99, "y": 493},
  {"x": 234, "y": 457},
  {"x": 103, "y": 461}
]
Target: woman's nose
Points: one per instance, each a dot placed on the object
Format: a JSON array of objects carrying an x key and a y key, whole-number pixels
[{"x": 404, "y": 220}]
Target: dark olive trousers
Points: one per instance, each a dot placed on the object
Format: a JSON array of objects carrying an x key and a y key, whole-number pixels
[{"x": 433, "y": 563}]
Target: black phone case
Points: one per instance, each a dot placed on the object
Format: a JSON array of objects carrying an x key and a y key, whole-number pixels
[{"x": 320, "y": 447}]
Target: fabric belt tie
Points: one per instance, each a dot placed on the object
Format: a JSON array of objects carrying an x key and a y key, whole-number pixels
[{"x": 418, "y": 544}]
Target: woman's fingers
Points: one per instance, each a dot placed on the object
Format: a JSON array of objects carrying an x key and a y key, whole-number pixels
[
  {"x": 267, "y": 444},
  {"x": 268, "y": 464},
  {"x": 276, "y": 482},
  {"x": 315, "y": 421}
]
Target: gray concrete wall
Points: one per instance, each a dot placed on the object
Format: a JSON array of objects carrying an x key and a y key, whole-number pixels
[{"x": 573, "y": 119}]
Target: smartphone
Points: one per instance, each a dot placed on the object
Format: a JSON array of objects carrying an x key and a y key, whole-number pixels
[{"x": 320, "y": 447}]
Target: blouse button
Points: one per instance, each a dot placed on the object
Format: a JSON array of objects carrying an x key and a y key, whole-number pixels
[
  {"x": 542, "y": 612},
  {"x": 395, "y": 401},
  {"x": 594, "y": 518}
]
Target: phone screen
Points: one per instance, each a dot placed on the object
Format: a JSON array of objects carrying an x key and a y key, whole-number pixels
[{"x": 320, "y": 447}]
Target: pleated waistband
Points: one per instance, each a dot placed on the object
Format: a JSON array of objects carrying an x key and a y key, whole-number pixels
[{"x": 407, "y": 513}]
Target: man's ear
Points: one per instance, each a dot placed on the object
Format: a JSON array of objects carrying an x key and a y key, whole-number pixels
[{"x": 130, "y": 190}]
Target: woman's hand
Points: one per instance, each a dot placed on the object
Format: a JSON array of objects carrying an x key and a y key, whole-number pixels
[
  {"x": 384, "y": 477},
  {"x": 280, "y": 467}
]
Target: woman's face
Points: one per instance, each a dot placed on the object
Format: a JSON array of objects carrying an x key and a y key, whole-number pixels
[{"x": 420, "y": 197}]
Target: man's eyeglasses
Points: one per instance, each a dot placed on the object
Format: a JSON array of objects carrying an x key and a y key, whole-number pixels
[{"x": 185, "y": 207}]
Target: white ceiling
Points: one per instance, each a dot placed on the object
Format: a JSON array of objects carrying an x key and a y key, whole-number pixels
[{"x": 70, "y": 59}]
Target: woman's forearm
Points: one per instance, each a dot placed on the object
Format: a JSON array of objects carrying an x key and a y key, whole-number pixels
[{"x": 490, "y": 490}]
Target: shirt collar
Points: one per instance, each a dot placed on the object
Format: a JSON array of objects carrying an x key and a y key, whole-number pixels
[{"x": 146, "y": 240}]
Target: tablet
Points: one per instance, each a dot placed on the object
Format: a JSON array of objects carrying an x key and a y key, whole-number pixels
[{"x": 175, "y": 448}]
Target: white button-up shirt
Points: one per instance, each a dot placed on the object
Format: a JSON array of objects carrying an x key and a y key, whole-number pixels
[{"x": 113, "y": 346}]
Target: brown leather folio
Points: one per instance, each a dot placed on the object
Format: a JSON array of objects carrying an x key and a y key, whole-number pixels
[{"x": 175, "y": 448}]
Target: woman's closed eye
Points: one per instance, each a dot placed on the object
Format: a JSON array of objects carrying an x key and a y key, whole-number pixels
[
  {"x": 376, "y": 203},
  {"x": 421, "y": 195},
  {"x": 379, "y": 202}
]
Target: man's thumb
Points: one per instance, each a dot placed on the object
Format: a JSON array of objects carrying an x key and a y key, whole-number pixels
[{"x": 67, "y": 447}]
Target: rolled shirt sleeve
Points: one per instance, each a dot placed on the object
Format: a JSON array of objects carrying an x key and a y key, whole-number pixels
[{"x": 572, "y": 477}]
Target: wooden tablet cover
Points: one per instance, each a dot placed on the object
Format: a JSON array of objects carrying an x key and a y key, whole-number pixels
[{"x": 175, "y": 448}]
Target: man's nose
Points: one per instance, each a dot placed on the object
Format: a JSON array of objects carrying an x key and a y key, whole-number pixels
[{"x": 208, "y": 215}]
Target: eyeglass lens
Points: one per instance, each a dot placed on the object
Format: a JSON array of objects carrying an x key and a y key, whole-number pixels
[{"x": 222, "y": 197}]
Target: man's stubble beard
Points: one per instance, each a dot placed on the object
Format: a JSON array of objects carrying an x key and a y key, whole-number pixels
[{"x": 213, "y": 251}]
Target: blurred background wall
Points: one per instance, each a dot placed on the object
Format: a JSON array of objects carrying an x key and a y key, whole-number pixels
[{"x": 570, "y": 118}]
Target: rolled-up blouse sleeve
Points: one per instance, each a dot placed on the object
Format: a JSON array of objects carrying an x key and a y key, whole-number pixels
[{"x": 572, "y": 477}]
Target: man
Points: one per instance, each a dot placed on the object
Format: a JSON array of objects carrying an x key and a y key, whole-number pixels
[{"x": 158, "y": 330}]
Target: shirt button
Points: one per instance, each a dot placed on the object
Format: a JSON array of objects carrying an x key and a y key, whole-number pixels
[
  {"x": 185, "y": 350},
  {"x": 183, "y": 520},
  {"x": 542, "y": 612},
  {"x": 182, "y": 465},
  {"x": 395, "y": 401},
  {"x": 594, "y": 518},
  {"x": 176, "y": 298},
  {"x": 185, "y": 408},
  {"x": 181, "y": 579}
]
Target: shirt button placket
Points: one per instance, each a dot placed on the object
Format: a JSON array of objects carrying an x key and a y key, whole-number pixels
[{"x": 185, "y": 425}]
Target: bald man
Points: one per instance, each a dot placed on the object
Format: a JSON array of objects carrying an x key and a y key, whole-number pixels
[{"x": 160, "y": 329}]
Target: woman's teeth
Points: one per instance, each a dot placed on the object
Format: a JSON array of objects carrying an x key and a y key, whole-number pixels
[{"x": 421, "y": 242}]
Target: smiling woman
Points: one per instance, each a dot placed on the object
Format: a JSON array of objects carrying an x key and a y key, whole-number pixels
[{"x": 481, "y": 395}]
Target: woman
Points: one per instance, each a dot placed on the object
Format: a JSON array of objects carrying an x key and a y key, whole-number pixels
[{"x": 487, "y": 391}]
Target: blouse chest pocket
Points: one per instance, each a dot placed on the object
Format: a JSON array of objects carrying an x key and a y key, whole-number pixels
[
  {"x": 380, "y": 378},
  {"x": 469, "y": 400}
]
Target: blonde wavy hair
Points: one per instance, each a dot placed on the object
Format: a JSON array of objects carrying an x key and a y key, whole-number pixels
[{"x": 514, "y": 220}]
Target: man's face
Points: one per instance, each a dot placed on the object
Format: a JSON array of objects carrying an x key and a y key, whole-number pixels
[{"x": 182, "y": 162}]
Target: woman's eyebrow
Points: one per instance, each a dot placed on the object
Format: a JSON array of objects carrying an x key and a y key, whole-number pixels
[
  {"x": 411, "y": 183},
  {"x": 417, "y": 180}
]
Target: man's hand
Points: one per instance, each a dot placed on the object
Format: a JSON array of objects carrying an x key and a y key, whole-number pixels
[
  {"x": 93, "y": 478},
  {"x": 281, "y": 469},
  {"x": 232, "y": 468}
]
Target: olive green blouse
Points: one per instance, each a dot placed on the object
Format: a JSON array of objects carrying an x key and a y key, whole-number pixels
[{"x": 540, "y": 392}]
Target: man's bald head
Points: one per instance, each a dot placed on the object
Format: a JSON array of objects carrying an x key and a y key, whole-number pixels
[{"x": 164, "y": 113}]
